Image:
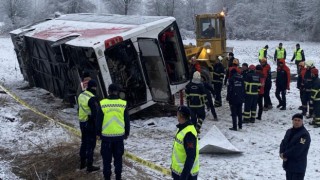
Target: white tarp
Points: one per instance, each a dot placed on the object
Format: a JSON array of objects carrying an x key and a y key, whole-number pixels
[{"x": 215, "y": 142}]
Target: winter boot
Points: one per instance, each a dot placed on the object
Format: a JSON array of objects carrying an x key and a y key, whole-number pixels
[
  {"x": 279, "y": 105},
  {"x": 118, "y": 176},
  {"x": 259, "y": 117},
  {"x": 233, "y": 129},
  {"x": 83, "y": 164},
  {"x": 300, "y": 108},
  {"x": 91, "y": 168},
  {"x": 283, "y": 108}
]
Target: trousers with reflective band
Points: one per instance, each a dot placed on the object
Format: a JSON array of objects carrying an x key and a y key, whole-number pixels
[
  {"x": 179, "y": 155},
  {"x": 113, "y": 124},
  {"x": 84, "y": 109}
]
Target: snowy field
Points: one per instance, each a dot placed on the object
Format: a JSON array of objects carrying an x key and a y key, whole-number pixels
[{"x": 259, "y": 141}]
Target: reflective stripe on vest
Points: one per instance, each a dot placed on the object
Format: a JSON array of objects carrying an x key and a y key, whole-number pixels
[
  {"x": 261, "y": 53},
  {"x": 202, "y": 99},
  {"x": 84, "y": 109},
  {"x": 298, "y": 54},
  {"x": 250, "y": 88},
  {"x": 280, "y": 53},
  {"x": 179, "y": 155},
  {"x": 316, "y": 95},
  {"x": 113, "y": 124}
]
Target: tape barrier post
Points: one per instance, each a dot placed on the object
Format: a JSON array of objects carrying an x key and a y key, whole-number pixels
[{"x": 76, "y": 132}]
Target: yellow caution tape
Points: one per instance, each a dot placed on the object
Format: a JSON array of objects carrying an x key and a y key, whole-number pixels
[{"x": 76, "y": 132}]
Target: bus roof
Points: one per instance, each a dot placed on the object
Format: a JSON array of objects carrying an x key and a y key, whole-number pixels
[{"x": 91, "y": 29}]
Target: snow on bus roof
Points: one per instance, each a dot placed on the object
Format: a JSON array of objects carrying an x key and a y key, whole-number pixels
[{"x": 90, "y": 28}]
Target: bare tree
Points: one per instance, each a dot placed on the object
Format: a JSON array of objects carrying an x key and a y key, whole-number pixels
[
  {"x": 124, "y": 6},
  {"x": 16, "y": 12}
]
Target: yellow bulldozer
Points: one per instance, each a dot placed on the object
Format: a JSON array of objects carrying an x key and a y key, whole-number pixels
[{"x": 210, "y": 42}]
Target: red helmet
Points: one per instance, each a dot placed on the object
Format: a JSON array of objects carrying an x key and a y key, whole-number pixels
[
  {"x": 315, "y": 71},
  {"x": 252, "y": 67}
]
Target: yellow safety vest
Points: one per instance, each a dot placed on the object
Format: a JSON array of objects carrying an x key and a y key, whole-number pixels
[
  {"x": 179, "y": 155},
  {"x": 280, "y": 53},
  {"x": 298, "y": 54},
  {"x": 84, "y": 109},
  {"x": 113, "y": 124},
  {"x": 261, "y": 53}
]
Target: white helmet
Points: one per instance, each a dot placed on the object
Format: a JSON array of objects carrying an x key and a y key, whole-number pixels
[
  {"x": 220, "y": 58},
  {"x": 309, "y": 63}
]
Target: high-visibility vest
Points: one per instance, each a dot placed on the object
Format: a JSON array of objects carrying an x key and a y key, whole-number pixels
[
  {"x": 280, "y": 53},
  {"x": 113, "y": 124},
  {"x": 298, "y": 54},
  {"x": 84, "y": 109},
  {"x": 179, "y": 155},
  {"x": 261, "y": 53}
]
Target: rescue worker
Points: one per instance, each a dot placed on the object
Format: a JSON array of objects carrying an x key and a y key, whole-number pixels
[
  {"x": 282, "y": 84},
  {"x": 185, "y": 151},
  {"x": 266, "y": 71},
  {"x": 307, "y": 85},
  {"x": 113, "y": 127},
  {"x": 87, "y": 117},
  {"x": 294, "y": 149},
  {"x": 298, "y": 56},
  {"x": 230, "y": 59},
  {"x": 300, "y": 81},
  {"x": 209, "y": 103},
  {"x": 280, "y": 53},
  {"x": 315, "y": 95},
  {"x": 196, "y": 99},
  {"x": 263, "y": 52},
  {"x": 235, "y": 97},
  {"x": 235, "y": 65},
  {"x": 261, "y": 91},
  {"x": 244, "y": 70},
  {"x": 194, "y": 65},
  {"x": 217, "y": 80},
  {"x": 252, "y": 86}
]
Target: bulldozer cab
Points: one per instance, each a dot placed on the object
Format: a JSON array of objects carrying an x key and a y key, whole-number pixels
[{"x": 211, "y": 34}]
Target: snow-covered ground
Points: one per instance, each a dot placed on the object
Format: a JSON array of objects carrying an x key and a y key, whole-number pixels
[{"x": 259, "y": 141}]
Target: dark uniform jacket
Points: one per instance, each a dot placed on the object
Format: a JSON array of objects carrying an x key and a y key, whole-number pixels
[
  {"x": 196, "y": 95},
  {"x": 307, "y": 80},
  {"x": 252, "y": 78},
  {"x": 236, "y": 92},
  {"x": 218, "y": 73},
  {"x": 294, "y": 147},
  {"x": 283, "y": 77},
  {"x": 315, "y": 90},
  {"x": 100, "y": 117}
]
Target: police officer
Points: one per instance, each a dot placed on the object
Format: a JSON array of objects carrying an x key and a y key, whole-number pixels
[
  {"x": 113, "y": 127},
  {"x": 263, "y": 52},
  {"x": 298, "y": 56},
  {"x": 87, "y": 117},
  {"x": 235, "y": 97},
  {"x": 280, "y": 53},
  {"x": 294, "y": 149},
  {"x": 185, "y": 151},
  {"x": 315, "y": 96},
  {"x": 196, "y": 99},
  {"x": 217, "y": 80},
  {"x": 252, "y": 86}
]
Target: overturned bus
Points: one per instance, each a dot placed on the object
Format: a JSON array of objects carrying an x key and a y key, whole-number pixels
[{"x": 143, "y": 54}]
